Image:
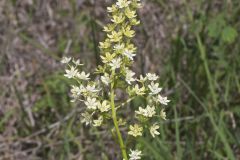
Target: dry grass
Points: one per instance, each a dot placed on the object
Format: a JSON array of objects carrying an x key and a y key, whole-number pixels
[{"x": 38, "y": 122}]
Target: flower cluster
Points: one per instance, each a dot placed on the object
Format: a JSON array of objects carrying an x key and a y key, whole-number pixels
[
  {"x": 149, "y": 89},
  {"x": 117, "y": 55}
]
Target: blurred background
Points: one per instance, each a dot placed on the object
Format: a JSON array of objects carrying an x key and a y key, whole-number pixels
[{"x": 193, "y": 45}]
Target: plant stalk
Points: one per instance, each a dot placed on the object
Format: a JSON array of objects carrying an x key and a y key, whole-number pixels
[
  {"x": 206, "y": 67},
  {"x": 114, "y": 118}
]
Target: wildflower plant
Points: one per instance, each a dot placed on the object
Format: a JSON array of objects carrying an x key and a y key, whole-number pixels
[{"x": 99, "y": 94}]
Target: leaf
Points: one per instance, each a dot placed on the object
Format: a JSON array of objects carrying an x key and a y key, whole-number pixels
[
  {"x": 229, "y": 34},
  {"x": 213, "y": 30},
  {"x": 215, "y": 26}
]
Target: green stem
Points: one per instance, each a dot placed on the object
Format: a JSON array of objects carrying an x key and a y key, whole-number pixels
[
  {"x": 205, "y": 63},
  {"x": 114, "y": 117}
]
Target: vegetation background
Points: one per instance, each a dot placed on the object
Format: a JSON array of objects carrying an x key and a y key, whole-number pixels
[{"x": 193, "y": 44}]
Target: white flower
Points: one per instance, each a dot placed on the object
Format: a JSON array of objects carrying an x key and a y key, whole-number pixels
[
  {"x": 98, "y": 121},
  {"x": 129, "y": 76},
  {"x": 105, "y": 79},
  {"x": 107, "y": 57},
  {"x": 138, "y": 91},
  {"x": 71, "y": 73},
  {"x": 163, "y": 114},
  {"x": 119, "y": 47},
  {"x": 130, "y": 13},
  {"x": 142, "y": 79},
  {"x": 104, "y": 107},
  {"x": 122, "y": 3},
  {"x": 135, "y": 155},
  {"x": 152, "y": 76},
  {"x": 163, "y": 100},
  {"x": 83, "y": 76},
  {"x": 153, "y": 130},
  {"x": 66, "y": 60},
  {"x": 147, "y": 112},
  {"x": 115, "y": 63},
  {"x": 76, "y": 91},
  {"x": 112, "y": 9},
  {"x": 129, "y": 54},
  {"x": 141, "y": 111},
  {"x": 91, "y": 103},
  {"x": 91, "y": 88},
  {"x": 135, "y": 130},
  {"x": 154, "y": 88},
  {"x": 77, "y": 62},
  {"x": 139, "y": 5},
  {"x": 86, "y": 118}
]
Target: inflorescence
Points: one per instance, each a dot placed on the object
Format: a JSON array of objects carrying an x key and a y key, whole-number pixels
[{"x": 98, "y": 95}]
